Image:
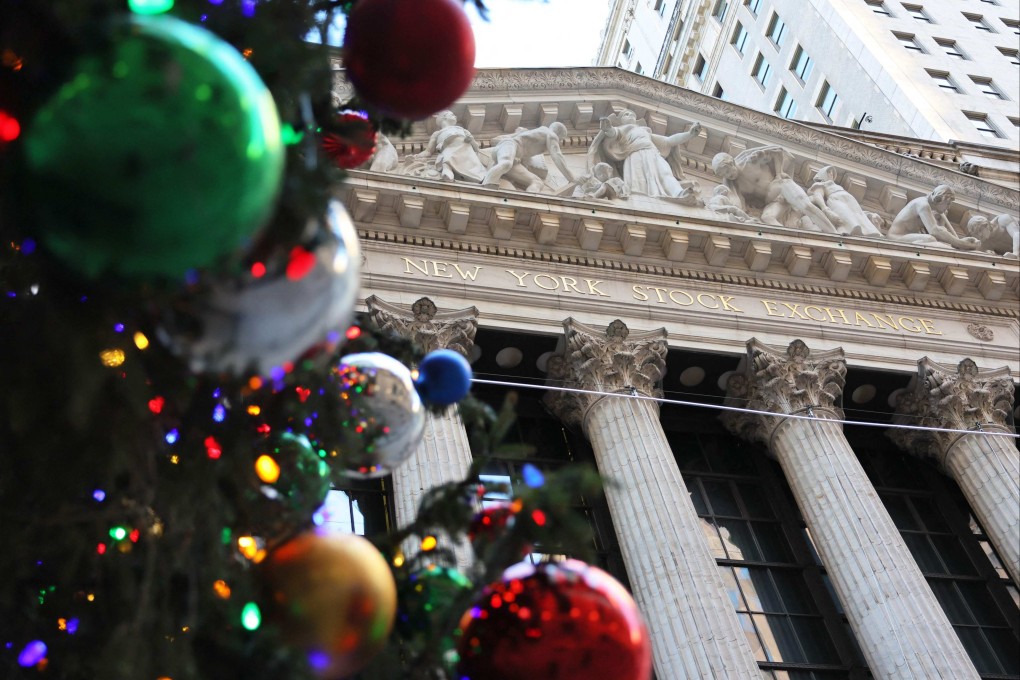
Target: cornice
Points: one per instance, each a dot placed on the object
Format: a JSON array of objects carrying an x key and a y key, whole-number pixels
[{"x": 462, "y": 218}]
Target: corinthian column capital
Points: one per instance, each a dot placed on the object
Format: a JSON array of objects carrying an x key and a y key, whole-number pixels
[
  {"x": 782, "y": 381},
  {"x": 428, "y": 327},
  {"x": 961, "y": 398},
  {"x": 610, "y": 360}
]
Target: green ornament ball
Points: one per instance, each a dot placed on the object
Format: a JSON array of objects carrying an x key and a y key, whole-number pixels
[{"x": 161, "y": 153}]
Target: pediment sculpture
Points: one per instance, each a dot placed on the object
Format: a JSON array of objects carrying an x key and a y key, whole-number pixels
[{"x": 626, "y": 158}]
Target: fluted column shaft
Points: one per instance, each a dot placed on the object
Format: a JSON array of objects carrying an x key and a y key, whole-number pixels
[
  {"x": 900, "y": 626},
  {"x": 675, "y": 580},
  {"x": 987, "y": 468},
  {"x": 444, "y": 455},
  {"x": 676, "y": 583}
]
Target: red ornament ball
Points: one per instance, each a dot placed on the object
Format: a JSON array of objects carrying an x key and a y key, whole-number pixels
[
  {"x": 409, "y": 59},
  {"x": 557, "y": 621},
  {"x": 486, "y": 526},
  {"x": 351, "y": 140}
]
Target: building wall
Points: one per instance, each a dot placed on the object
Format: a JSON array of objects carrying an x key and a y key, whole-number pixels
[{"x": 856, "y": 50}]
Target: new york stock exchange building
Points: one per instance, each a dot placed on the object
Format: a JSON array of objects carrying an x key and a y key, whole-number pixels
[{"x": 791, "y": 349}]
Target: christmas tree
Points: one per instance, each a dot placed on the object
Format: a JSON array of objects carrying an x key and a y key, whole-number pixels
[{"x": 185, "y": 381}]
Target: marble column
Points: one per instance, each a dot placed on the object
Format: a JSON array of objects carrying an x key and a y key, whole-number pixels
[
  {"x": 986, "y": 466},
  {"x": 444, "y": 454},
  {"x": 896, "y": 619},
  {"x": 676, "y": 583}
]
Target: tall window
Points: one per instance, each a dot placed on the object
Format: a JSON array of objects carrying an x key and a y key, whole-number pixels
[
  {"x": 988, "y": 88},
  {"x": 827, "y": 100},
  {"x": 1012, "y": 24},
  {"x": 909, "y": 42},
  {"x": 718, "y": 92},
  {"x": 628, "y": 49},
  {"x": 982, "y": 125},
  {"x": 951, "y": 48},
  {"x": 801, "y": 64},
  {"x": 700, "y": 68},
  {"x": 772, "y": 576},
  {"x": 777, "y": 30},
  {"x": 943, "y": 80},
  {"x": 1012, "y": 54},
  {"x": 878, "y": 7},
  {"x": 978, "y": 22},
  {"x": 917, "y": 11},
  {"x": 639, "y": 69},
  {"x": 719, "y": 12},
  {"x": 785, "y": 105},
  {"x": 946, "y": 542},
  {"x": 753, "y": 6},
  {"x": 360, "y": 506},
  {"x": 660, "y": 7},
  {"x": 739, "y": 39},
  {"x": 762, "y": 71}
]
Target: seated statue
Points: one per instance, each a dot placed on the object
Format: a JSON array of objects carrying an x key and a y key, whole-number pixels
[
  {"x": 600, "y": 183},
  {"x": 723, "y": 201},
  {"x": 839, "y": 205},
  {"x": 385, "y": 158},
  {"x": 758, "y": 177},
  {"x": 1000, "y": 235},
  {"x": 639, "y": 156},
  {"x": 517, "y": 157},
  {"x": 923, "y": 221},
  {"x": 457, "y": 151}
]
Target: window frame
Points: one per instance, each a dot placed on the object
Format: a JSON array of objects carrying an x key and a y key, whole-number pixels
[
  {"x": 753, "y": 6},
  {"x": 760, "y": 62},
  {"x": 944, "y": 81},
  {"x": 703, "y": 71},
  {"x": 989, "y": 88},
  {"x": 908, "y": 41},
  {"x": 878, "y": 7},
  {"x": 776, "y": 24},
  {"x": 1011, "y": 53},
  {"x": 917, "y": 12},
  {"x": 827, "y": 110},
  {"x": 978, "y": 22},
  {"x": 786, "y": 105},
  {"x": 988, "y": 132},
  {"x": 739, "y": 39},
  {"x": 799, "y": 55},
  {"x": 720, "y": 9},
  {"x": 951, "y": 48}
]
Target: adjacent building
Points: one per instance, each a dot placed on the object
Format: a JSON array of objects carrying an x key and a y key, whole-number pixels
[
  {"x": 750, "y": 379},
  {"x": 938, "y": 70}
]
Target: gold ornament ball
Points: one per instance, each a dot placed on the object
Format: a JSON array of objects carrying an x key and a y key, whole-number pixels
[{"x": 333, "y": 596}]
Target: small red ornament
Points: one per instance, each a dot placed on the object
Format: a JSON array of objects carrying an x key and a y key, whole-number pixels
[
  {"x": 487, "y": 525},
  {"x": 556, "y": 621},
  {"x": 350, "y": 141},
  {"x": 409, "y": 59}
]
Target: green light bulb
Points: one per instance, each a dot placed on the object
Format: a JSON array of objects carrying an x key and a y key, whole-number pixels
[
  {"x": 251, "y": 616},
  {"x": 150, "y": 6}
]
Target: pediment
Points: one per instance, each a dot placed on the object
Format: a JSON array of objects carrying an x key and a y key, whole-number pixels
[{"x": 676, "y": 234}]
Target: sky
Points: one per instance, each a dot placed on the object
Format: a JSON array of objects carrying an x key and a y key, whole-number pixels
[
  {"x": 533, "y": 33},
  {"x": 530, "y": 33}
]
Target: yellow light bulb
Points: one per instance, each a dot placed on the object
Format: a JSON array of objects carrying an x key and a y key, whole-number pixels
[
  {"x": 141, "y": 342},
  {"x": 221, "y": 589},
  {"x": 112, "y": 358},
  {"x": 429, "y": 543},
  {"x": 267, "y": 469}
]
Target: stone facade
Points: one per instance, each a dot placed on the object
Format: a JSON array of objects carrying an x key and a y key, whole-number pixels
[{"x": 628, "y": 277}]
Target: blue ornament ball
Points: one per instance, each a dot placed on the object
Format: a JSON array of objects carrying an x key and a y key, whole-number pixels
[{"x": 444, "y": 377}]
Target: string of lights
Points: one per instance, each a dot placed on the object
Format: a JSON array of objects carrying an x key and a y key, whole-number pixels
[{"x": 739, "y": 409}]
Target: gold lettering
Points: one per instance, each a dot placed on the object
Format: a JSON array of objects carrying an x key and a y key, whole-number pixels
[
  {"x": 770, "y": 307},
  {"x": 913, "y": 327},
  {"x": 832, "y": 317},
  {"x": 643, "y": 294},
  {"x": 794, "y": 311},
  {"x": 437, "y": 272},
  {"x": 593, "y": 287},
  {"x": 658, "y": 293},
  {"x": 929, "y": 327},
  {"x": 702, "y": 302},
  {"x": 570, "y": 286},
  {"x": 725, "y": 300},
  {"x": 555, "y": 283},
  {"x": 520, "y": 277},
  {"x": 682, "y": 304},
  {"x": 888, "y": 321},
  {"x": 424, "y": 268},
  {"x": 467, "y": 273},
  {"x": 858, "y": 318},
  {"x": 809, "y": 313}
]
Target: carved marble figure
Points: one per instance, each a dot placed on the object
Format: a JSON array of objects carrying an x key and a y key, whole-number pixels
[
  {"x": 839, "y": 205},
  {"x": 1000, "y": 235},
  {"x": 923, "y": 221},
  {"x": 723, "y": 201},
  {"x": 638, "y": 155},
  {"x": 385, "y": 158},
  {"x": 600, "y": 182},
  {"x": 518, "y": 157},
  {"x": 458, "y": 152},
  {"x": 758, "y": 178}
]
